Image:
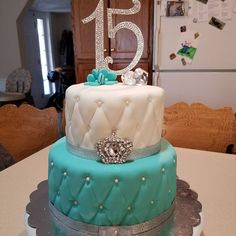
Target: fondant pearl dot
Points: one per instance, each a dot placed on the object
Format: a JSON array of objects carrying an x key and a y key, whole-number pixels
[
  {"x": 152, "y": 202},
  {"x": 88, "y": 128},
  {"x": 99, "y": 103},
  {"x": 174, "y": 160},
  {"x": 87, "y": 178},
  {"x": 58, "y": 193},
  {"x": 127, "y": 102},
  {"x": 169, "y": 191},
  {"x": 75, "y": 202},
  {"x": 116, "y": 181},
  {"x": 101, "y": 206},
  {"x": 129, "y": 208},
  {"x": 163, "y": 169},
  {"x": 65, "y": 173},
  {"x": 52, "y": 164},
  {"x": 143, "y": 178}
]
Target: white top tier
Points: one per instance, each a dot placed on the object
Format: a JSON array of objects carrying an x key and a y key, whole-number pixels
[{"x": 134, "y": 112}]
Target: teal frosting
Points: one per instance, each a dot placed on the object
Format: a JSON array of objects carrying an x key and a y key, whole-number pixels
[
  {"x": 101, "y": 77},
  {"x": 116, "y": 194}
]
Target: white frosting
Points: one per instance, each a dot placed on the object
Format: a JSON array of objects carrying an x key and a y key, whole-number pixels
[{"x": 134, "y": 112}]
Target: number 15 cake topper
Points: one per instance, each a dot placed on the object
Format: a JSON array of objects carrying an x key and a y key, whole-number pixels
[{"x": 98, "y": 15}]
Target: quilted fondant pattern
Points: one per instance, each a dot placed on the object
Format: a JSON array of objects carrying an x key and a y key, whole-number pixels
[
  {"x": 121, "y": 194},
  {"x": 93, "y": 112}
]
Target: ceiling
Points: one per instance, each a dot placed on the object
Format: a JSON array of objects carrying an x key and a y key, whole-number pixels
[{"x": 51, "y": 5}]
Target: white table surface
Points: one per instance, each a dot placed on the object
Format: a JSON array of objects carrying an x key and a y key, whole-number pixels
[{"x": 211, "y": 175}]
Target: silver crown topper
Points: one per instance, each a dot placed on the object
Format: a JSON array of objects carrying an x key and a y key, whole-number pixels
[{"x": 113, "y": 149}]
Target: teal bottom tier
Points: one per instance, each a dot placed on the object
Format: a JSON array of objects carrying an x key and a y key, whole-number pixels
[{"x": 111, "y": 194}]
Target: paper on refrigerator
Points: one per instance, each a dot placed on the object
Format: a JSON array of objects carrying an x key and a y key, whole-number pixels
[
  {"x": 217, "y": 8},
  {"x": 187, "y": 46}
]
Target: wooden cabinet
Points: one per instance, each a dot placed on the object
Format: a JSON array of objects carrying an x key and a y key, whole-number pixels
[
  {"x": 123, "y": 47},
  {"x": 83, "y": 69},
  {"x": 125, "y": 44}
]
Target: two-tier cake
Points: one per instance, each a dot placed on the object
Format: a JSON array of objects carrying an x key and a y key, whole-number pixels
[{"x": 112, "y": 174}]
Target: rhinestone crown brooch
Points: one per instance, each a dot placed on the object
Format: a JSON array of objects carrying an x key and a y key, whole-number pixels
[{"x": 113, "y": 149}]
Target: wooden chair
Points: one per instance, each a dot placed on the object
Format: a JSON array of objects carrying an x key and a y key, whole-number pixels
[
  {"x": 197, "y": 126},
  {"x": 25, "y": 130}
]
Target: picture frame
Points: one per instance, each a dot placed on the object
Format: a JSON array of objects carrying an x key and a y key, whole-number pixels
[{"x": 175, "y": 8}]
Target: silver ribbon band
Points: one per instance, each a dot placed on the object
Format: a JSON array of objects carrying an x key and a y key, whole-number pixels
[
  {"x": 72, "y": 227},
  {"x": 135, "y": 154}
]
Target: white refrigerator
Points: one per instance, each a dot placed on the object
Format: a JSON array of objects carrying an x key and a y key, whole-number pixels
[{"x": 210, "y": 76}]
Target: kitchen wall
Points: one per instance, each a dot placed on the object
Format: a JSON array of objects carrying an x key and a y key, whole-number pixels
[{"x": 9, "y": 47}]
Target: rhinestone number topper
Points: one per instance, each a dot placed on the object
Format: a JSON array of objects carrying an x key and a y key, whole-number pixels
[{"x": 98, "y": 15}]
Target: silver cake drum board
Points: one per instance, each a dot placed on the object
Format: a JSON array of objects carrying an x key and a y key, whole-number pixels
[{"x": 187, "y": 219}]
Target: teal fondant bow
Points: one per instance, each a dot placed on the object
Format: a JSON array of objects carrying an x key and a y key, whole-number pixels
[{"x": 100, "y": 77}]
